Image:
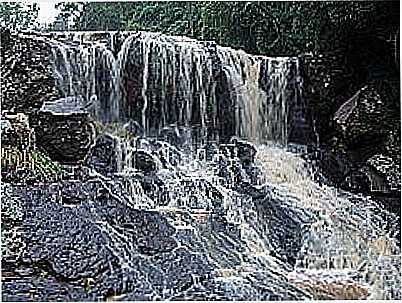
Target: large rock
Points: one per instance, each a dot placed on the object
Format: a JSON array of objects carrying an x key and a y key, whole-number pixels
[
  {"x": 327, "y": 82},
  {"x": 64, "y": 130},
  {"x": 365, "y": 135},
  {"x": 363, "y": 123},
  {"x": 145, "y": 161},
  {"x": 384, "y": 174},
  {"x": 104, "y": 155},
  {"x": 241, "y": 149},
  {"x": 97, "y": 249},
  {"x": 26, "y": 70}
]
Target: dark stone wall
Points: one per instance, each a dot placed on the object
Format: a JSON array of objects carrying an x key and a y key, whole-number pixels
[
  {"x": 26, "y": 70},
  {"x": 27, "y": 83},
  {"x": 356, "y": 113}
]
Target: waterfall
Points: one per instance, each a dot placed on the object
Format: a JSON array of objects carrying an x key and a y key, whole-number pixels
[
  {"x": 252, "y": 215},
  {"x": 161, "y": 80}
]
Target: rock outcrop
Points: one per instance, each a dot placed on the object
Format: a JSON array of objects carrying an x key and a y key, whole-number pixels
[
  {"x": 64, "y": 131},
  {"x": 84, "y": 241},
  {"x": 16, "y": 131},
  {"x": 26, "y": 69},
  {"x": 104, "y": 155}
]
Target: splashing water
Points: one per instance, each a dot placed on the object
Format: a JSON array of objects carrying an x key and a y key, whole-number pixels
[
  {"x": 350, "y": 234},
  {"x": 345, "y": 250}
]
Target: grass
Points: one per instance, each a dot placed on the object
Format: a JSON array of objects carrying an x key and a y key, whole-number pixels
[{"x": 13, "y": 159}]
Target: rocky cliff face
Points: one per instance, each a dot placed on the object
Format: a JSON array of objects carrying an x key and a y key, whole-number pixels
[
  {"x": 356, "y": 120},
  {"x": 26, "y": 69}
]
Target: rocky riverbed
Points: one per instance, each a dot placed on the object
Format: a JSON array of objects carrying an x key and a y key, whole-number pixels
[{"x": 218, "y": 229}]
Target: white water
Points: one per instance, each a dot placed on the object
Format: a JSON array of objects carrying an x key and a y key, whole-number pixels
[
  {"x": 350, "y": 235},
  {"x": 346, "y": 247},
  {"x": 173, "y": 80}
]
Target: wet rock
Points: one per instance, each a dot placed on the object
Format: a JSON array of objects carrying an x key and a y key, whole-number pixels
[
  {"x": 103, "y": 155},
  {"x": 26, "y": 70},
  {"x": 64, "y": 131},
  {"x": 99, "y": 249},
  {"x": 145, "y": 161},
  {"x": 277, "y": 220},
  {"x": 168, "y": 154},
  {"x": 234, "y": 175},
  {"x": 245, "y": 150},
  {"x": 334, "y": 167},
  {"x": 343, "y": 287},
  {"x": 228, "y": 150},
  {"x": 71, "y": 193},
  {"x": 255, "y": 173},
  {"x": 211, "y": 150},
  {"x": 387, "y": 171},
  {"x": 363, "y": 122},
  {"x": 134, "y": 128},
  {"x": 154, "y": 187}
]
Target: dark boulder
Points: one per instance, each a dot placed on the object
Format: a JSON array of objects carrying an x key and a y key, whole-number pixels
[
  {"x": 334, "y": 167},
  {"x": 366, "y": 137},
  {"x": 71, "y": 193},
  {"x": 103, "y": 155},
  {"x": 64, "y": 131},
  {"x": 384, "y": 174},
  {"x": 26, "y": 70},
  {"x": 97, "y": 249},
  {"x": 245, "y": 150},
  {"x": 145, "y": 161},
  {"x": 362, "y": 123}
]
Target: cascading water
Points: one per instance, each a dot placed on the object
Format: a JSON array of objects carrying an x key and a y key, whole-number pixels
[
  {"x": 267, "y": 229},
  {"x": 160, "y": 80},
  {"x": 88, "y": 71}
]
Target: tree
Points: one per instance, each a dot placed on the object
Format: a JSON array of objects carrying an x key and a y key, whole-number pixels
[{"x": 17, "y": 15}]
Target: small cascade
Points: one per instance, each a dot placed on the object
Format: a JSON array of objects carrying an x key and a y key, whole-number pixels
[
  {"x": 88, "y": 71},
  {"x": 341, "y": 236}
]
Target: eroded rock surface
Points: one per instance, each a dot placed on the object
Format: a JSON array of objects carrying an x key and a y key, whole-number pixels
[
  {"x": 64, "y": 130},
  {"x": 92, "y": 239}
]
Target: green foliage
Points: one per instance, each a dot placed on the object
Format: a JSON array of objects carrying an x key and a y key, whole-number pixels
[
  {"x": 34, "y": 160},
  {"x": 44, "y": 164},
  {"x": 17, "y": 15},
  {"x": 69, "y": 13},
  {"x": 257, "y": 27}
]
